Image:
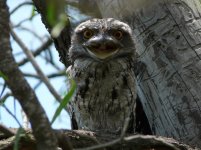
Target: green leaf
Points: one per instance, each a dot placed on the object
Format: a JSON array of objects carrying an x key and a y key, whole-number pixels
[
  {"x": 33, "y": 13},
  {"x": 57, "y": 29},
  {"x": 2, "y": 101},
  {"x": 18, "y": 136},
  {"x": 51, "y": 13},
  {"x": 65, "y": 100},
  {"x": 3, "y": 76},
  {"x": 63, "y": 21}
]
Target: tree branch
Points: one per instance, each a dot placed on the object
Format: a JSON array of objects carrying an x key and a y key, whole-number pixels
[
  {"x": 38, "y": 51},
  {"x": 81, "y": 139},
  {"x": 6, "y": 131},
  {"x": 45, "y": 137},
  {"x": 20, "y": 5},
  {"x": 10, "y": 113},
  {"x": 111, "y": 143},
  {"x": 53, "y": 75},
  {"x": 62, "y": 42},
  {"x": 36, "y": 66}
]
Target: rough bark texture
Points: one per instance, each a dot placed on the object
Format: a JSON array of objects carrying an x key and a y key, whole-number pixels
[
  {"x": 46, "y": 140},
  {"x": 62, "y": 42},
  {"x": 168, "y": 37},
  {"x": 82, "y": 139}
]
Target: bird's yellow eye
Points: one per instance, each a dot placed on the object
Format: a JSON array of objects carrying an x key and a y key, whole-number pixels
[
  {"x": 87, "y": 34},
  {"x": 118, "y": 34}
]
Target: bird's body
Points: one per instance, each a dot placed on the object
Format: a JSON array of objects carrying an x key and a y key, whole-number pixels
[{"x": 103, "y": 70}]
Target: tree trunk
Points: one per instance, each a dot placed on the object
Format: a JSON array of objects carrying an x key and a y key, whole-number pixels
[{"x": 168, "y": 42}]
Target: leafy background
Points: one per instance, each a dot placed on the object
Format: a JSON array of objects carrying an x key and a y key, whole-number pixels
[{"x": 28, "y": 26}]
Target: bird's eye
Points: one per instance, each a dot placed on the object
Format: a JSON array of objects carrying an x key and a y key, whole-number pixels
[
  {"x": 87, "y": 34},
  {"x": 118, "y": 34}
]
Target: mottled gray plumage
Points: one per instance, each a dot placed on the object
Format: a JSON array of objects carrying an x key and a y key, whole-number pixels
[{"x": 102, "y": 53}]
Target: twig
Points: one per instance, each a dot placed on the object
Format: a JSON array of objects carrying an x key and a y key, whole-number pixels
[
  {"x": 20, "y": 5},
  {"x": 4, "y": 87},
  {"x": 5, "y": 97},
  {"x": 52, "y": 63},
  {"x": 37, "y": 51},
  {"x": 37, "y": 85},
  {"x": 14, "y": 117},
  {"x": 19, "y": 24},
  {"x": 43, "y": 133},
  {"x": 125, "y": 127},
  {"x": 18, "y": 53},
  {"x": 35, "y": 65},
  {"x": 139, "y": 141},
  {"x": 112, "y": 142},
  {"x": 101, "y": 145},
  {"x": 62, "y": 42},
  {"x": 48, "y": 56},
  {"x": 53, "y": 75},
  {"x": 31, "y": 31}
]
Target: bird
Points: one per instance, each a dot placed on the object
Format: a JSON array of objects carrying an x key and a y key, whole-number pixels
[{"x": 102, "y": 54}]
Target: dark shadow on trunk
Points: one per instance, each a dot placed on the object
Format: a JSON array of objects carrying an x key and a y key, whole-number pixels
[{"x": 142, "y": 124}]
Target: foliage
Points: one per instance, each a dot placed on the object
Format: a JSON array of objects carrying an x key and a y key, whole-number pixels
[
  {"x": 3, "y": 76},
  {"x": 18, "y": 136},
  {"x": 65, "y": 100},
  {"x": 56, "y": 17},
  {"x": 63, "y": 21},
  {"x": 45, "y": 56}
]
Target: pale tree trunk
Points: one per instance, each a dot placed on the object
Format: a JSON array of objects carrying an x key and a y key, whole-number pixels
[{"x": 169, "y": 46}]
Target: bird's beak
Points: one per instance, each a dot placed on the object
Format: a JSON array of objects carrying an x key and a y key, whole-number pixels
[{"x": 102, "y": 50}]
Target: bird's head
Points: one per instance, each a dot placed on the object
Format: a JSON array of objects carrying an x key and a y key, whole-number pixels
[{"x": 102, "y": 39}]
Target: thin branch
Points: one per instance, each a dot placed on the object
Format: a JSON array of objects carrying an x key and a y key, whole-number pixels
[
  {"x": 20, "y": 5},
  {"x": 43, "y": 133},
  {"x": 53, "y": 75},
  {"x": 2, "y": 91},
  {"x": 52, "y": 63},
  {"x": 35, "y": 65},
  {"x": 58, "y": 74},
  {"x": 37, "y": 85},
  {"x": 140, "y": 142},
  {"x": 144, "y": 141},
  {"x": 21, "y": 28},
  {"x": 19, "y": 24},
  {"x": 10, "y": 113},
  {"x": 3, "y": 99},
  {"x": 18, "y": 53},
  {"x": 48, "y": 56},
  {"x": 37, "y": 52},
  {"x": 125, "y": 127},
  {"x": 81, "y": 138},
  {"x": 137, "y": 142},
  {"x": 126, "y": 123},
  {"x": 62, "y": 43}
]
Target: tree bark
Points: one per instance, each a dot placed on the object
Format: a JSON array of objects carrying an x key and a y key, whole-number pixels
[
  {"x": 62, "y": 42},
  {"x": 45, "y": 137},
  {"x": 168, "y": 42},
  {"x": 86, "y": 140}
]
